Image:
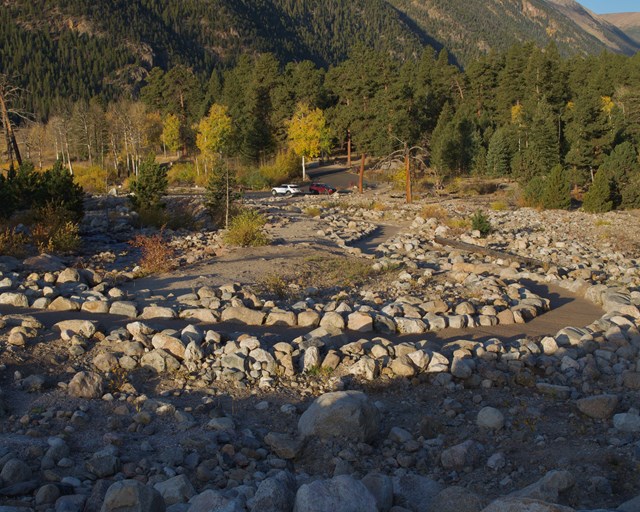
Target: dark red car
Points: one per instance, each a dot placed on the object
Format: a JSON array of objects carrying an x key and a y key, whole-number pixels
[{"x": 321, "y": 188}]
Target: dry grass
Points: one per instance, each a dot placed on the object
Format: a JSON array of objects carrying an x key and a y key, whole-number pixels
[{"x": 434, "y": 211}]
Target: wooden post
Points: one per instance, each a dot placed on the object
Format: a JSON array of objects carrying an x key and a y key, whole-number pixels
[
  {"x": 361, "y": 176},
  {"x": 348, "y": 148},
  {"x": 407, "y": 170}
]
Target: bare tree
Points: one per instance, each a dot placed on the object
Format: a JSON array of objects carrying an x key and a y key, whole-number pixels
[{"x": 9, "y": 95}]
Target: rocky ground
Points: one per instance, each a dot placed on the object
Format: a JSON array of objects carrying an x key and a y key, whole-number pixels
[{"x": 355, "y": 363}]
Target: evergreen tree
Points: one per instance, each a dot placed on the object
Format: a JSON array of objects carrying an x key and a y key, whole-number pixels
[
  {"x": 150, "y": 185},
  {"x": 598, "y": 198},
  {"x": 557, "y": 190},
  {"x": 542, "y": 149},
  {"x": 502, "y": 148}
]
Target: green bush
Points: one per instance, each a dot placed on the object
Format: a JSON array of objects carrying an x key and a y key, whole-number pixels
[
  {"x": 28, "y": 189},
  {"x": 599, "y": 197},
  {"x": 480, "y": 222},
  {"x": 245, "y": 230}
]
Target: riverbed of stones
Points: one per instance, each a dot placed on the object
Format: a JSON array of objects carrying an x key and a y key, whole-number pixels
[{"x": 318, "y": 403}]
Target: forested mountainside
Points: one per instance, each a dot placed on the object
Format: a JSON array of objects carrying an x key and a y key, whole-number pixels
[
  {"x": 628, "y": 22},
  {"x": 76, "y": 49}
]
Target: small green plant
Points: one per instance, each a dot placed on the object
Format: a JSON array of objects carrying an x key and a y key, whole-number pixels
[
  {"x": 319, "y": 371},
  {"x": 480, "y": 222},
  {"x": 156, "y": 254},
  {"x": 245, "y": 230},
  {"x": 498, "y": 206}
]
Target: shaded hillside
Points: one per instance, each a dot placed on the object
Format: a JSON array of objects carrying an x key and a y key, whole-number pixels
[{"x": 628, "y": 22}]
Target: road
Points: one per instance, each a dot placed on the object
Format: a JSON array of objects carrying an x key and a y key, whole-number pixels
[{"x": 336, "y": 175}]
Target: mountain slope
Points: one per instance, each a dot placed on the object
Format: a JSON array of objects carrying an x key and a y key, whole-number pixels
[
  {"x": 469, "y": 29},
  {"x": 628, "y": 22},
  {"x": 609, "y": 33}
]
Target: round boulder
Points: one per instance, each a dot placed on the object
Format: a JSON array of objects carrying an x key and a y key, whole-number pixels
[{"x": 348, "y": 414}]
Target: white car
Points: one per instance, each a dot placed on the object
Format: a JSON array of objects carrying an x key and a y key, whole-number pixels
[{"x": 288, "y": 189}]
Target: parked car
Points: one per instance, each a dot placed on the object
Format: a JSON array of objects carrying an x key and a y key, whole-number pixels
[
  {"x": 288, "y": 189},
  {"x": 321, "y": 188}
]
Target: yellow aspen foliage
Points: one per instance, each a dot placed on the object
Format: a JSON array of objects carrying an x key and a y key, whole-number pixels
[
  {"x": 517, "y": 114},
  {"x": 307, "y": 132},
  {"x": 214, "y": 131}
]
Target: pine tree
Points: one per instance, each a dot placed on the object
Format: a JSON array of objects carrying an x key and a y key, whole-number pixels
[
  {"x": 150, "y": 185},
  {"x": 598, "y": 198},
  {"x": 557, "y": 190},
  {"x": 502, "y": 148}
]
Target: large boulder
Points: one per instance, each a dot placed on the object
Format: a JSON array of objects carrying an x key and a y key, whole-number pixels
[
  {"x": 275, "y": 494},
  {"x": 348, "y": 414},
  {"x": 415, "y": 492},
  {"x": 132, "y": 496},
  {"x": 86, "y": 385},
  {"x": 340, "y": 494},
  {"x": 524, "y": 505}
]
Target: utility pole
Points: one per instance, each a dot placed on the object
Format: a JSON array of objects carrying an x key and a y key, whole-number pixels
[
  {"x": 361, "y": 176},
  {"x": 348, "y": 148}
]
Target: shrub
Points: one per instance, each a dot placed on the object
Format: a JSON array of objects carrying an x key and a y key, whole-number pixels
[
  {"x": 181, "y": 174},
  {"x": 54, "y": 229},
  {"x": 599, "y": 199},
  {"x": 150, "y": 185},
  {"x": 152, "y": 217},
  {"x": 245, "y": 230},
  {"x": 93, "y": 180},
  {"x": 480, "y": 222},
  {"x": 13, "y": 243},
  {"x": 498, "y": 206},
  {"x": 432, "y": 211},
  {"x": 156, "y": 257},
  {"x": 276, "y": 285},
  {"x": 185, "y": 174},
  {"x": 286, "y": 166},
  {"x": 312, "y": 211}
]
